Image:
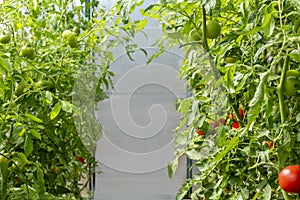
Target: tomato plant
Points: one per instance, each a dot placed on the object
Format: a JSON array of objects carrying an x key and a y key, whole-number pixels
[
  {"x": 289, "y": 179},
  {"x": 42, "y": 126},
  {"x": 247, "y": 65}
]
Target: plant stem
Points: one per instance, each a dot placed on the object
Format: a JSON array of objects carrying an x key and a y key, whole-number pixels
[
  {"x": 280, "y": 90},
  {"x": 282, "y": 107},
  {"x": 204, "y": 39}
]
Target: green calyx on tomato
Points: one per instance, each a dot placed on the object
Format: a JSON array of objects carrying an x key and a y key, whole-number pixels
[
  {"x": 27, "y": 52},
  {"x": 292, "y": 83},
  {"x": 213, "y": 29},
  {"x": 5, "y": 38},
  {"x": 289, "y": 179},
  {"x": 195, "y": 35}
]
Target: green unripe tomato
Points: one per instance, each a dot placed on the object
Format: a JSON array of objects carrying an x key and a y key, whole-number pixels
[
  {"x": 230, "y": 59},
  {"x": 19, "y": 89},
  {"x": 27, "y": 52},
  {"x": 213, "y": 29},
  {"x": 71, "y": 39},
  {"x": 292, "y": 83},
  {"x": 4, "y": 39},
  {"x": 195, "y": 34},
  {"x": 66, "y": 34}
]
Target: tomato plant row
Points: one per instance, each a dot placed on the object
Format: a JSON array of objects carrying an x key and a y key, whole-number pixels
[
  {"x": 48, "y": 54},
  {"x": 242, "y": 65}
]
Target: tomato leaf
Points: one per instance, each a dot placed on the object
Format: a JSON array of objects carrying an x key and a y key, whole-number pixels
[
  {"x": 295, "y": 54},
  {"x": 186, "y": 186},
  {"x": 172, "y": 167},
  {"x": 40, "y": 183},
  {"x": 22, "y": 158},
  {"x": 256, "y": 102},
  {"x": 228, "y": 79},
  {"x": 4, "y": 64},
  {"x": 33, "y": 118},
  {"x": 267, "y": 192},
  {"x": 28, "y": 146},
  {"x": 55, "y": 111},
  {"x": 35, "y": 133},
  {"x": 66, "y": 106}
]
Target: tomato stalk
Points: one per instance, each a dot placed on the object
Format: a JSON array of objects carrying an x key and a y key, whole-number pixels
[
  {"x": 280, "y": 90},
  {"x": 204, "y": 39},
  {"x": 282, "y": 108}
]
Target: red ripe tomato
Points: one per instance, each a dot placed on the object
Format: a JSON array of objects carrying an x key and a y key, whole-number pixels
[
  {"x": 289, "y": 179},
  {"x": 270, "y": 144},
  {"x": 81, "y": 159},
  {"x": 235, "y": 125},
  {"x": 199, "y": 132},
  {"x": 241, "y": 112}
]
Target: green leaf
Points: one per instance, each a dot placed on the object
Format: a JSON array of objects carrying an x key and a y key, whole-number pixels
[
  {"x": 49, "y": 96},
  {"x": 245, "y": 193},
  {"x": 221, "y": 137},
  {"x": 66, "y": 106},
  {"x": 33, "y": 118},
  {"x": 256, "y": 102},
  {"x": 228, "y": 79},
  {"x": 186, "y": 186},
  {"x": 35, "y": 134},
  {"x": 231, "y": 145},
  {"x": 269, "y": 28},
  {"x": 40, "y": 183},
  {"x": 151, "y": 6},
  {"x": 180, "y": 139},
  {"x": 55, "y": 111},
  {"x": 295, "y": 54},
  {"x": 28, "y": 146},
  {"x": 18, "y": 130},
  {"x": 172, "y": 167},
  {"x": 4, "y": 64},
  {"x": 194, "y": 154},
  {"x": 22, "y": 158},
  {"x": 267, "y": 192},
  {"x": 283, "y": 153}
]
